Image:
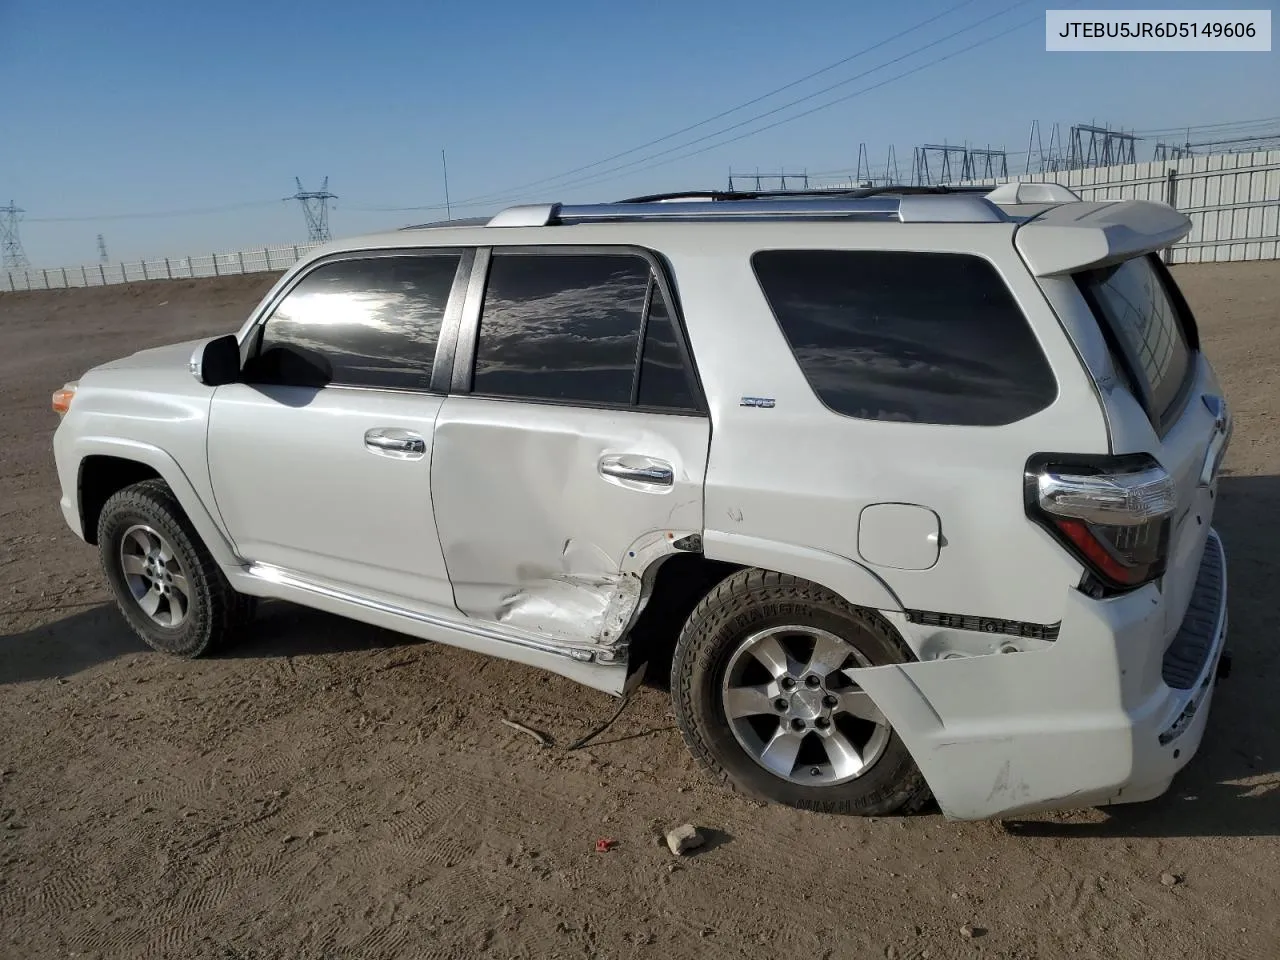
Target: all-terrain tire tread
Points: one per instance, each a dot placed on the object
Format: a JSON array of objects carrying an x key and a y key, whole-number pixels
[
  {"x": 227, "y": 611},
  {"x": 723, "y": 602}
]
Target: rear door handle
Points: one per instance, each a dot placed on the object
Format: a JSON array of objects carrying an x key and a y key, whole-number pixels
[
  {"x": 396, "y": 443},
  {"x": 629, "y": 468}
]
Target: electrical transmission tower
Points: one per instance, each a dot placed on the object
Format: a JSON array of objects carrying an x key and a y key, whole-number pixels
[
  {"x": 758, "y": 179},
  {"x": 102, "y": 249},
  {"x": 1092, "y": 146},
  {"x": 12, "y": 256},
  {"x": 1172, "y": 151},
  {"x": 315, "y": 208},
  {"x": 933, "y": 164}
]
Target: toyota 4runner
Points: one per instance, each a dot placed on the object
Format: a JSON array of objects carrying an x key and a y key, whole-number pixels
[{"x": 912, "y": 489}]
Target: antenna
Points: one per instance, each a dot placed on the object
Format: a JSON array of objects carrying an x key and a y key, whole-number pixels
[
  {"x": 315, "y": 208},
  {"x": 448, "y": 211},
  {"x": 12, "y": 255}
]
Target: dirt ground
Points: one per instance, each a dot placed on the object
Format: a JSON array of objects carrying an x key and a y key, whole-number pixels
[{"x": 327, "y": 790}]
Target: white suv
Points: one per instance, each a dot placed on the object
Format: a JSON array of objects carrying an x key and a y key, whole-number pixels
[{"x": 918, "y": 484}]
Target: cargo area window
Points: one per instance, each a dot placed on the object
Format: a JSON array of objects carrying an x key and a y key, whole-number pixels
[
  {"x": 582, "y": 328},
  {"x": 1142, "y": 315},
  {"x": 905, "y": 336},
  {"x": 366, "y": 322}
]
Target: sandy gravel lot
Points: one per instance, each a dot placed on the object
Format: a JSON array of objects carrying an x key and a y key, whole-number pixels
[{"x": 329, "y": 790}]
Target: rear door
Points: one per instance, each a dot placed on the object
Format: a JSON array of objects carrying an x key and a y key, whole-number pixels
[
  {"x": 572, "y": 450},
  {"x": 1155, "y": 345}
]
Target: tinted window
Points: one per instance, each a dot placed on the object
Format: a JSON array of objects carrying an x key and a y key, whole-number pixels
[
  {"x": 561, "y": 327},
  {"x": 367, "y": 323},
  {"x": 663, "y": 378},
  {"x": 916, "y": 337},
  {"x": 1131, "y": 298}
]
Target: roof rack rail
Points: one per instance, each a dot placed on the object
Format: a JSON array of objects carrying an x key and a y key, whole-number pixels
[
  {"x": 853, "y": 192},
  {"x": 916, "y": 206}
]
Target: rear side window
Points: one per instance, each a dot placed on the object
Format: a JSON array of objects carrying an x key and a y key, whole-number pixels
[
  {"x": 582, "y": 328},
  {"x": 910, "y": 337},
  {"x": 371, "y": 322},
  {"x": 1133, "y": 302}
]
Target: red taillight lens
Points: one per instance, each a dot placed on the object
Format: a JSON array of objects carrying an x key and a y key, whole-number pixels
[{"x": 1112, "y": 513}]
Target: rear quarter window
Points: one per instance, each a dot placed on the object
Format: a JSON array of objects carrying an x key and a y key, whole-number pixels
[
  {"x": 1136, "y": 304},
  {"x": 910, "y": 337}
]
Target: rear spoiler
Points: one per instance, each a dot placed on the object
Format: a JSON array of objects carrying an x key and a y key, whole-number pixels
[{"x": 1070, "y": 237}]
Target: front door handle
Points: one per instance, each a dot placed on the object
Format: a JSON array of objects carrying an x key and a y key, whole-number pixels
[
  {"x": 394, "y": 442},
  {"x": 632, "y": 468}
]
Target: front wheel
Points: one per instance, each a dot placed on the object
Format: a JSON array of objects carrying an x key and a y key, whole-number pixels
[
  {"x": 165, "y": 581},
  {"x": 763, "y": 704}
]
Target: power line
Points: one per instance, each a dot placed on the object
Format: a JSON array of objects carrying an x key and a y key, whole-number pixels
[
  {"x": 741, "y": 106},
  {"x": 823, "y": 106},
  {"x": 770, "y": 112},
  {"x": 157, "y": 214}
]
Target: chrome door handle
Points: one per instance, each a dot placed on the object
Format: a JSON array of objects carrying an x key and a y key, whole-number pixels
[
  {"x": 637, "y": 469},
  {"x": 393, "y": 442}
]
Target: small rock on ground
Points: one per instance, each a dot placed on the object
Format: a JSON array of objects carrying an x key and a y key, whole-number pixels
[
  {"x": 1170, "y": 879},
  {"x": 684, "y": 839}
]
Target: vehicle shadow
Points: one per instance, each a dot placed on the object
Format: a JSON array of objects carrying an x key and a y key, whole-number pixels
[
  {"x": 1231, "y": 788},
  {"x": 100, "y": 634},
  {"x": 65, "y": 647}
]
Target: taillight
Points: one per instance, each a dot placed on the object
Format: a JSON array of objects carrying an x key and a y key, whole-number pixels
[
  {"x": 62, "y": 399},
  {"x": 1112, "y": 513}
]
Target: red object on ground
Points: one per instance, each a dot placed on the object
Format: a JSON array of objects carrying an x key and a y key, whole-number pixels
[{"x": 604, "y": 845}]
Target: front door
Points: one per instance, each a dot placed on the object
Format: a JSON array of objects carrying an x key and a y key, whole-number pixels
[
  {"x": 320, "y": 460},
  {"x": 574, "y": 451}
]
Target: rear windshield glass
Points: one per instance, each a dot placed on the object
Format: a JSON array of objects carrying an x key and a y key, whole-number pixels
[{"x": 1131, "y": 299}]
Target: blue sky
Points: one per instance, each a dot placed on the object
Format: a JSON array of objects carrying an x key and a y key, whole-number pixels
[{"x": 149, "y": 107}]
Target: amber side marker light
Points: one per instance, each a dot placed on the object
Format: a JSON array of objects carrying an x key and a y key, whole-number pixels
[{"x": 62, "y": 399}]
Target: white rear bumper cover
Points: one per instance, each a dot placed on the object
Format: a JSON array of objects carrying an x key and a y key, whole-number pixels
[{"x": 1090, "y": 721}]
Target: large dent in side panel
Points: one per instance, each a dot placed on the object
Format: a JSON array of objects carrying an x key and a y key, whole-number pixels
[{"x": 1013, "y": 733}]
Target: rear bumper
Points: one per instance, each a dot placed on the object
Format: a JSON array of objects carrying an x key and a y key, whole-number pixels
[{"x": 1106, "y": 715}]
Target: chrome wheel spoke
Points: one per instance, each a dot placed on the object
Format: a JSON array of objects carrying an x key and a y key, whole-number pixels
[
  {"x": 845, "y": 758},
  {"x": 856, "y": 703},
  {"x": 177, "y": 607},
  {"x": 155, "y": 576},
  {"x": 779, "y": 754},
  {"x": 149, "y": 602},
  {"x": 773, "y": 657},
  {"x": 802, "y": 720},
  {"x": 829, "y": 654},
  {"x": 748, "y": 701}
]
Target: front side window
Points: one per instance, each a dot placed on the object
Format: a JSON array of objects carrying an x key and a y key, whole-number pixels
[
  {"x": 567, "y": 327},
  {"x": 1131, "y": 299},
  {"x": 371, "y": 322},
  {"x": 905, "y": 336}
]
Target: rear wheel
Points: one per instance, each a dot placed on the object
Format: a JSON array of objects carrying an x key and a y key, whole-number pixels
[
  {"x": 164, "y": 580},
  {"x": 763, "y": 703}
]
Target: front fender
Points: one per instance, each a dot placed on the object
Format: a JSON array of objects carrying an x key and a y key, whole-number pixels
[{"x": 214, "y": 537}]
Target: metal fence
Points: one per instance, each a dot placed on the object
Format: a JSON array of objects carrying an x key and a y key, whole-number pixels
[
  {"x": 257, "y": 260},
  {"x": 1233, "y": 200}
]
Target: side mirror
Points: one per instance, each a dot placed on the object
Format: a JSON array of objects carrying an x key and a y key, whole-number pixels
[{"x": 217, "y": 361}]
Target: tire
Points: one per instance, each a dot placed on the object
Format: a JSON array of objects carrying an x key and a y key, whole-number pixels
[
  {"x": 141, "y": 525},
  {"x": 728, "y": 635}
]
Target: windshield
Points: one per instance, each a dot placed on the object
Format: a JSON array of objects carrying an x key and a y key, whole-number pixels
[{"x": 1142, "y": 316}]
